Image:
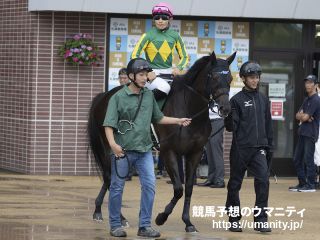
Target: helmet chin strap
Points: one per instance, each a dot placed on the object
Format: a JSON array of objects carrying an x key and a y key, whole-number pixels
[{"x": 134, "y": 82}]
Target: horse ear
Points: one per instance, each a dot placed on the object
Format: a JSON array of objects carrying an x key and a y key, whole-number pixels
[
  {"x": 213, "y": 58},
  {"x": 231, "y": 58}
]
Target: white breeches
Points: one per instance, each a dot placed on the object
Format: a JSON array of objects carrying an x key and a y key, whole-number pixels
[{"x": 160, "y": 83}]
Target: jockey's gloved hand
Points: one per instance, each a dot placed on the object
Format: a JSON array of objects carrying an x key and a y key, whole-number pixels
[
  {"x": 176, "y": 71},
  {"x": 151, "y": 76}
]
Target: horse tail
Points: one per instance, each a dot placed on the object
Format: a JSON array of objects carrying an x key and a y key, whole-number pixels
[{"x": 97, "y": 140}]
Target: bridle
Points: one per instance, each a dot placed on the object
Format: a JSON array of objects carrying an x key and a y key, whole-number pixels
[{"x": 210, "y": 98}]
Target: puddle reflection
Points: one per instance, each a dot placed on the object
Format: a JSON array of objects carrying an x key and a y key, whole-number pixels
[{"x": 19, "y": 231}]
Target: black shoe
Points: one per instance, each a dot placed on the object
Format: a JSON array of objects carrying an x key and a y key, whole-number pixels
[
  {"x": 307, "y": 188},
  {"x": 295, "y": 188},
  {"x": 205, "y": 184},
  {"x": 235, "y": 227},
  {"x": 218, "y": 185},
  {"x": 148, "y": 232},
  {"x": 118, "y": 232},
  {"x": 263, "y": 230}
]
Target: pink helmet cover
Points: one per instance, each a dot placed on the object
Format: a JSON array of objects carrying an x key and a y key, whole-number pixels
[{"x": 162, "y": 8}]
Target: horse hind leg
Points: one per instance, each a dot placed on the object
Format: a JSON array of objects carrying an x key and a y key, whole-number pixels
[
  {"x": 172, "y": 169},
  {"x": 97, "y": 215},
  {"x": 191, "y": 165}
]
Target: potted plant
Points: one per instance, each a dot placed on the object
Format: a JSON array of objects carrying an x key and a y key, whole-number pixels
[{"x": 80, "y": 50}]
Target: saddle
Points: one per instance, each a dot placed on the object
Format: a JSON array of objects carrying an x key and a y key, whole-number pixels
[{"x": 161, "y": 99}]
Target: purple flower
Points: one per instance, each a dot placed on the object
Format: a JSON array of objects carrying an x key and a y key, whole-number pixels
[
  {"x": 76, "y": 37},
  {"x": 87, "y": 36},
  {"x": 76, "y": 50},
  {"x": 75, "y": 59},
  {"x": 83, "y": 46},
  {"x": 89, "y": 48},
  {"x": 80, "y": 62}
]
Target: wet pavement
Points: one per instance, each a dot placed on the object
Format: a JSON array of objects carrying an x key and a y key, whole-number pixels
[{"x": 61, "y": 208}]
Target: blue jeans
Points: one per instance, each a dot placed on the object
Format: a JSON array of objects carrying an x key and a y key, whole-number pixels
[
  {"x": 143, "y": 162},
  {"x": 304, "y": 156}
]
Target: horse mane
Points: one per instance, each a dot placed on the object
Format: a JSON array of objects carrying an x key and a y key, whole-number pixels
[{"x": 189, "y": 77}]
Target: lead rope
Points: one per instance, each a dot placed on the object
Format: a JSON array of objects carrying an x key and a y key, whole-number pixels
[{"x": 131, "y": 122}]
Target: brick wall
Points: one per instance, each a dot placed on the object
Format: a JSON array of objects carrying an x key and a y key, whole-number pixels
[
  {"x": 15, "y": 84},
  {"x": 44, "y": 102}
]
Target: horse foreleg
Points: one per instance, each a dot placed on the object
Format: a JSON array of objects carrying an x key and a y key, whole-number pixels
[
  {"x": 173, "y": 171},
  {"x": 191, "y": 166}
]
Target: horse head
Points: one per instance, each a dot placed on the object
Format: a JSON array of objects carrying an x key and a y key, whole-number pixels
[{"x": 218, "y": 82}]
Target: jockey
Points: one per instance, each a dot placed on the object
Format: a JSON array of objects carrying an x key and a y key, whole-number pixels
[{"x": 158, "y": 45}]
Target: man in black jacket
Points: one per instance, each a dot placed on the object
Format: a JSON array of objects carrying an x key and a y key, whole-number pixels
[{"x": 251, "y": 125}]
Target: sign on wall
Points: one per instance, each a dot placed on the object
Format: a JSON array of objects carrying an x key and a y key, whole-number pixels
[
  {"x": 200, "y": 38},
  {"x": 276, "y": 108}
]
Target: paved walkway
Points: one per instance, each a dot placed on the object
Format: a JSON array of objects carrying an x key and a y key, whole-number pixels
[{"x": 60, "y": 208}]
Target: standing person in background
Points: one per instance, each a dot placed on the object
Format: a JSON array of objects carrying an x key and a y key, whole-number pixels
[
  {"x": 308, "y": 117},
  {"x": 123, "y": 77},
  {"x": 317, "y": 151},
  {"x": 214, "y": 150},
  {"x": 159, "y": 44}
]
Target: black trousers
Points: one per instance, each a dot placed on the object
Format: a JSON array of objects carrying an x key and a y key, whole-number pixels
[{"x": 254, "y": 160}]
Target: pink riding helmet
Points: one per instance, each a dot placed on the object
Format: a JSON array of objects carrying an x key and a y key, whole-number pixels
[{"x": 162, "y": 8}]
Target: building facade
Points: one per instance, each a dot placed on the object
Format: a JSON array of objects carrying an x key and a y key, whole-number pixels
[{"x": 44, "y": 102}]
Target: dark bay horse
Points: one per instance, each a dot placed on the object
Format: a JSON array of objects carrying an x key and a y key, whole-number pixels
[{"x": 207, "y": 81}]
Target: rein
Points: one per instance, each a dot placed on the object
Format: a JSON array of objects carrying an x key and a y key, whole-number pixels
[
  {"x": 116, "y": 166},
  {"x": 211, "y": 103}
]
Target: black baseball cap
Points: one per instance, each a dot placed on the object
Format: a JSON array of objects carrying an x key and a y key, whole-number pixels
[{"x": 312, "y": 78}]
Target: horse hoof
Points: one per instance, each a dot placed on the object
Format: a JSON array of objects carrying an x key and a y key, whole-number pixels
[
  {"x": 125, "y": 223},
  {"x": 191, "y": 229},
  {"x": 97, "y": 217},
  {"x": 161, "y": 219}
]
